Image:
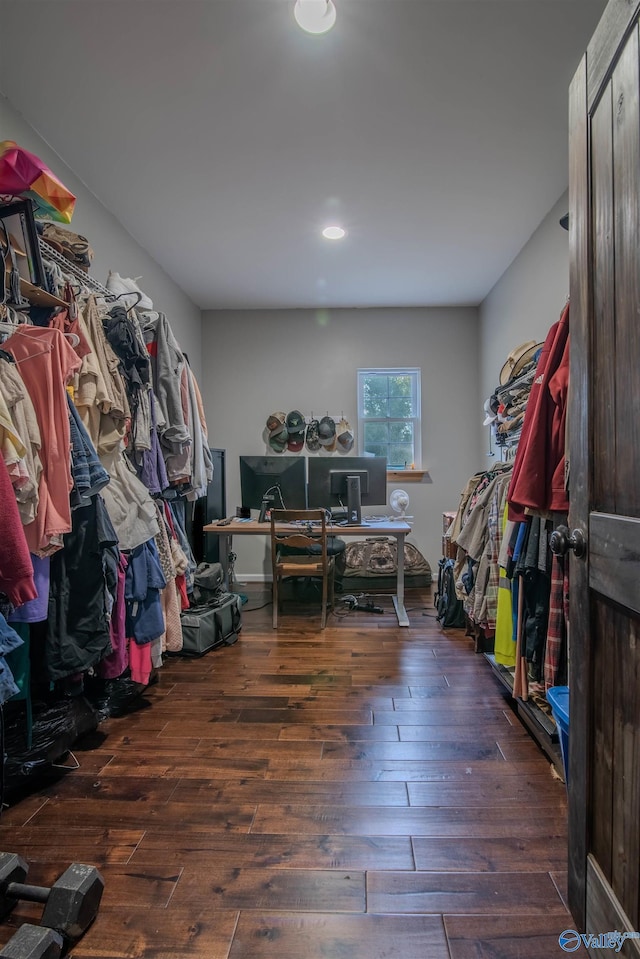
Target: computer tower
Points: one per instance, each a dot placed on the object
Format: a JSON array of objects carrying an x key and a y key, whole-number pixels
[{"x": 212, "y": 506}]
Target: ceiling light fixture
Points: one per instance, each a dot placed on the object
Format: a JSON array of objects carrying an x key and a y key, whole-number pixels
[
  {"x": 333, "y": 233},
  {"x": 315, "y": 16}
]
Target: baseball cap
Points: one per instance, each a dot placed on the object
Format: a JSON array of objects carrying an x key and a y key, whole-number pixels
[
  {"x": 313, "y": 441},
  {"x": 278, "y": 433},
  {"x": 327, "y": 433},
  {"x": 344, "y": 435},
  {"x": 295, "y": 422}
]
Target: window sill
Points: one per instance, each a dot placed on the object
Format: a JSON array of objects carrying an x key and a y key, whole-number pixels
[{"x": 406, "y": 476}]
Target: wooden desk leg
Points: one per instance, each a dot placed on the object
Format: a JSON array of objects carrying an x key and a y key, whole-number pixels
[{"x": 398, "y": 599}]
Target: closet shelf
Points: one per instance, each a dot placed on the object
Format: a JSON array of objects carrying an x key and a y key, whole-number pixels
[
  {"x": 406, "y": 476},
  {"x": 37, "y": 296}
]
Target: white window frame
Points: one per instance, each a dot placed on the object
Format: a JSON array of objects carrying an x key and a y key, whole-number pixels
[{"x": 415, "y": 420}]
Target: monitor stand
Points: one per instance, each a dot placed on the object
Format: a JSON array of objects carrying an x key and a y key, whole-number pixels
[
  {"x": 354, "y": 502},
  {"x": 267, "y": 504}
]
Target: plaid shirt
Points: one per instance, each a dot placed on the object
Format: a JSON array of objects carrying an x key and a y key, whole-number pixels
[{"x": 558, "y": 625}]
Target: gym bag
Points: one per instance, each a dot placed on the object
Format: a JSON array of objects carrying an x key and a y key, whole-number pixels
[
  {"x": 207, "y": 627},
  {"x": 207, "y": 584},
  {"x": 450, "y": 610}
]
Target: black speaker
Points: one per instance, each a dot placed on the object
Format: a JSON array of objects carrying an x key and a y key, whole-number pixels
[{"x": 208, "y": 508}]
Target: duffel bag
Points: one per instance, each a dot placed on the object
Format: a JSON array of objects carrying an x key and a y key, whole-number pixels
[
  {"x": 207, "y": 584},
  {"x": 208, "y": 627}
]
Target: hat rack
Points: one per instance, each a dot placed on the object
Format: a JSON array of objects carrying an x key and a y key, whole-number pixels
[
  {"x": 318, "y": 416},
  {"x": 307, "y": 419}
]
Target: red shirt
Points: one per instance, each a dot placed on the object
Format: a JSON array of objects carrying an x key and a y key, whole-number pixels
[{"x": 537, "y": 481}]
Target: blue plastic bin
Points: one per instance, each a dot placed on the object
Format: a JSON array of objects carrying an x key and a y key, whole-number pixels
[{"x": 558, "y": 697}]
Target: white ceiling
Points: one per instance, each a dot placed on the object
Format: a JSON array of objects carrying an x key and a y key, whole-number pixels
[{"x": 223, "y": 138}]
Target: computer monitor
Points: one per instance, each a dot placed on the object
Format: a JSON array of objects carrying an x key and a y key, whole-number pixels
[
  {"x": 347, "y": 483},
  {"x": 273, "y": 481}
]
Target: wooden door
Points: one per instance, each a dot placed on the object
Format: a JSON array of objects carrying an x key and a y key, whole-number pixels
[{"x": 604, "y": 447}]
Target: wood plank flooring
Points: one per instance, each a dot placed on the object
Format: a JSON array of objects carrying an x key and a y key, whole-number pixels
[{"x": 364, "y": 792}]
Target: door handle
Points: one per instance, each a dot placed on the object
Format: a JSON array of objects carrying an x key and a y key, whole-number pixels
[{"x": 561, "y": 541}]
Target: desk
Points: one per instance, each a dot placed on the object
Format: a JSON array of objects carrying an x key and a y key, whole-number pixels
[{"x": 252, "y": 527}]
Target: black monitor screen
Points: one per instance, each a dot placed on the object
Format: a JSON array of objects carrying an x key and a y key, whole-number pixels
[
  {"x": 328, "y": 478},
  {"x": 281, "y": 480}
]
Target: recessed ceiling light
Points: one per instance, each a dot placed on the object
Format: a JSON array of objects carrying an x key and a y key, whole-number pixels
[
  {"x": 315, "y": 16},
  {"x": 333, "y": 233}
]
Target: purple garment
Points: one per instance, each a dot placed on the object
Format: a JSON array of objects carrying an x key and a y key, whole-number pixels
[
  {"x": 35, "y": 610},
  {"x": 150, "y": 465},
  {"x": 117, "y": 661}
]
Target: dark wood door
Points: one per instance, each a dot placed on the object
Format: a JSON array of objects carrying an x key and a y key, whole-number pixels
[{"x": 604, "y": 447}]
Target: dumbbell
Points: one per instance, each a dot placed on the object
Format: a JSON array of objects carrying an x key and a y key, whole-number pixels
[
  {"x": 70, "y": 904},
  {"x": 33, "y": 942}
]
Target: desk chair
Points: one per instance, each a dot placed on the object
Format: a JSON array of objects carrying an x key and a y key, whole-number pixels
[{"x": 307, "y": 536}]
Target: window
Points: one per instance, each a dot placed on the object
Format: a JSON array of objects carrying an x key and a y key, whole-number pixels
[{"x": 389, "y": 415}]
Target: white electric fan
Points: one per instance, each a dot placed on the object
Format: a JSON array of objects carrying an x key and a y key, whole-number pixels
[{"x": 399, "y": 503}]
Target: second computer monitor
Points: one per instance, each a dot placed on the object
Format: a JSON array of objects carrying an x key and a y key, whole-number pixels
[
  {"x": 347, "y": 482},
  {"x": 273, "y": 481}
]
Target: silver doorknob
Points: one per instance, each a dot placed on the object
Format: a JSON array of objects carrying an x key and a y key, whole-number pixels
[{"x": 562, "y": 541}]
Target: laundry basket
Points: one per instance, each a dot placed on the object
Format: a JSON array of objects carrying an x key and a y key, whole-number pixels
[{"x": 558, "y": 698}]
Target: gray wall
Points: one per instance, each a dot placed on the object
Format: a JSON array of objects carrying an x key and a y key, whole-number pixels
[
  {"x": 114, "y": 248},
  {"x": 527, "y": 299},
  {"x": 261, "y": 361}
]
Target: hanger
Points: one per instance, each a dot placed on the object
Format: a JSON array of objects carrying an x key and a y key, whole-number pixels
[
  {"x": 8, "y": 327},
  {"x": 137, "y": 295}
]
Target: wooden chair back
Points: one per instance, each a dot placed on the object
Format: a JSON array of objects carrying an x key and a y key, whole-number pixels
[{"x": 299, "y": 549}]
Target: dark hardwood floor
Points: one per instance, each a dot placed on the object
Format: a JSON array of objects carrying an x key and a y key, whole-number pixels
[{"x": 364, "y": 792}]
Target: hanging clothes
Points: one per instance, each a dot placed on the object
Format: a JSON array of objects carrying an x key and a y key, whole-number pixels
[
  {"x": 124, "y": 334},
  {"x": 78, "y": 634},
  {"x": 25, "y": 424},
  {"x": 504, "y": 643},
  {"x": 534, "y": 583},
  {"x": 47, "y": 363},
  {"x": 16, "y": 571},
  {"x": 35, "y": 610},
  {"x": 538, "y": 481},
  {"x": 201, "y": 471},
  {"x": 12, "y": 449},
  {"x": 555, "y": 662},
  {"x": 149, "y": 464},
  {"x": 88, "y": 474},
  {"x": 167, "y": 365},
  {"x": 144, "y": 580},
  {"x": 9, "y": 641},
  {"x": 100, "y": 393},
  {"x": 116, "y": 662},
  {"x": 173, "y": 562}
]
